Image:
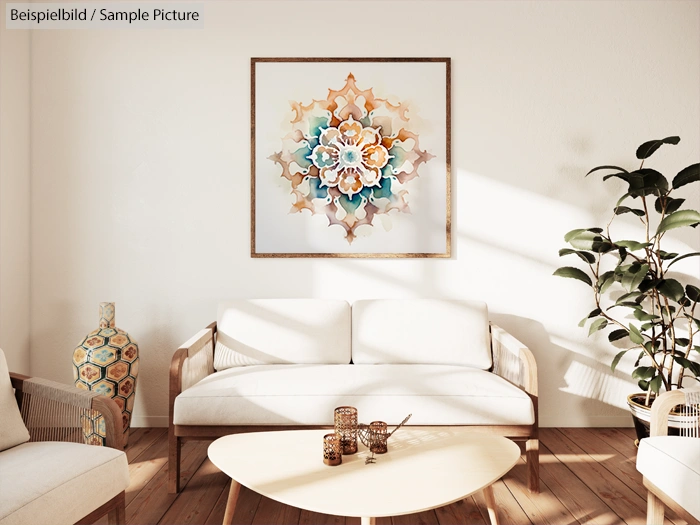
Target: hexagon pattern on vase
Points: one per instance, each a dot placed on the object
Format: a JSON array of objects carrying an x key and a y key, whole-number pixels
[{"x": 107, "y": 362}]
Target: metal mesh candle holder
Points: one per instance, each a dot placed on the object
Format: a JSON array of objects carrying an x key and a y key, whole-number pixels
[
  {"x": 345, "y": 422},
  {"x": 331, "y": 450},
  {"x": 378, "y": 436}
]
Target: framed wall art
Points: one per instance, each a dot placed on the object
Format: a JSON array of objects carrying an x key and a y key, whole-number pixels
[{"x": 350, "y": 157}]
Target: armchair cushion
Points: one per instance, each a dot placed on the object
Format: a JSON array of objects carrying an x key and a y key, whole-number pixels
[
  {"x": 672, "y": 463},
  {"x": 58, "y": 483},
  {"x": 277, "y": 331},
  {"x": 12, "y": 430},
  {"x": 421, "y": 331}
]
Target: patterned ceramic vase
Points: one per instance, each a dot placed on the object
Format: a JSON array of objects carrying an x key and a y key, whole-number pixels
[{"x": 107, "y": 362}]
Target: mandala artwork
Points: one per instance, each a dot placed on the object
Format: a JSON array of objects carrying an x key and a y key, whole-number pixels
[{"x": 350, "y": 157}]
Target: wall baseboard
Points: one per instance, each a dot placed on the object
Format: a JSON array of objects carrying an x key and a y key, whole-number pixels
[
  {"x": 149, "y": 421},
  {"x": 580, "y": 421}
]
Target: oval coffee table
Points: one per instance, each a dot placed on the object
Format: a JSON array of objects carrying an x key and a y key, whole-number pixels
[{"x": 425, "y": 468}]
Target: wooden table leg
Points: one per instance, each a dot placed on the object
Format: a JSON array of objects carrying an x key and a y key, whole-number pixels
[
  {"x": 231, "y": 502},
  {"x": 368, "y": 521},
  {"x": 491, "y": 504}
]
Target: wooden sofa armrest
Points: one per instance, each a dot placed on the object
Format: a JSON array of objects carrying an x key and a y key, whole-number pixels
[
  {"x": 513, "y": 361},
  {"x": 660, "y": 409},
  {"x": 39, "y": 398},
  {"x": 192, "y": 362}
]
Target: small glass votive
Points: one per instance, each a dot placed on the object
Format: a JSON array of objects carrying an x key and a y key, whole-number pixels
[
  {"x": 331, "y": 450},
  {"x": 378, "y": 435},
  {"x": 345, "y": 425}
]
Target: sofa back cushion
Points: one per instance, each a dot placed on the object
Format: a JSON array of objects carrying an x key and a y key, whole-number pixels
[
  {"x": 12, "y": 429},
  {"x": 424, "y": 331},
  {"x": 279, "y": 331}
]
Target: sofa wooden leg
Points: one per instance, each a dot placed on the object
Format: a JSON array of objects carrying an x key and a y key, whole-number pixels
[
  {"x": 174, "y": 446},
  {"x": 655, "y": 510},
  {"x": 532, "y": 456},
  {"x": 117, "y": 515}
]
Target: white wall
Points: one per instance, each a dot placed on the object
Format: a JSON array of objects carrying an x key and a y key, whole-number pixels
[
  {"x": 15, "y": 49},
  {"x": 140, "y": 165}
]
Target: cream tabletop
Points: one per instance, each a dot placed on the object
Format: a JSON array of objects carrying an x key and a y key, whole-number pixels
[{"x": 424, "y": 468}]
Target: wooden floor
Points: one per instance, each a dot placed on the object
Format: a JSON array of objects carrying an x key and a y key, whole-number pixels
[{"x": 587, "y": 476}]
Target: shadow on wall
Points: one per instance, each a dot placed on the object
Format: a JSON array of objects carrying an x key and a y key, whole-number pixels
[{"x": 590, "y": 386}]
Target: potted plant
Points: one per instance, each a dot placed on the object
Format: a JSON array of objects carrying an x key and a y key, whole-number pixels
[{"x": 649, "y": 308}]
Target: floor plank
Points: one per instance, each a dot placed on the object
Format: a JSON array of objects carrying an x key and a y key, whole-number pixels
[
  {"x": 544, "y": 507},
  {"x": 461, "y": 512},
  {"x": 203, "y": 491},
  {"x": 314, "y": 518},
  {"x": 573, "y": 493},
  {"x": 141, "y": 440},
  {"x": 626, "y": 503},
  {"x": 151, "y": 503},
  {"x": 588, "y": 476}
]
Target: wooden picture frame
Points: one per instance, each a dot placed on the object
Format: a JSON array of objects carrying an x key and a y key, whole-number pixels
[{"x": 350, "y": 157}]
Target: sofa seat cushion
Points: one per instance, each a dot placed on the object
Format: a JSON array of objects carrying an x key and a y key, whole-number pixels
[
  {"x": 672, "y": 463},
  {"x": 58, "y": 483},
  {"x": 307, "y": 395}
]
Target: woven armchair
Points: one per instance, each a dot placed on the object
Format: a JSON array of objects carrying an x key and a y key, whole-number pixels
[
  {"x": 671, "y": 464},
  {"x": 60, "y": 480}
]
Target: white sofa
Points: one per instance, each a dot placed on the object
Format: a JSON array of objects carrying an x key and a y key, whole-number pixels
[
  {"x": 289, "y": 362},
  {"x": 47, "y": 474}
]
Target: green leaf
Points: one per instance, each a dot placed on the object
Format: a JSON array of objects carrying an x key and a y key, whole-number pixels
[
  {"x": 623, "y": 254},
  {"x": 643, "y": 372},
  {"x": 583, "y": 255},
  {"x": 641, "y": 315},
  {"x": 618, "y": 168},
  {"x": 678, "y": 219},
  {"x": 572, "y": 234},
  {"x": 605, "y": 281},
  {"x": 621, "y": 199},
  {"x": 648, "y": 148},
  {"x": 634, "y": 276},
  {"x": 616, "y": 360},
  {"x": 682, "y": 341},
  {"x": 574, "y": 273},
  {"x": 595, "y": 230},
  {"x": 629, "y": 297},
  {"x": 687, "y": 363},
  {"x": 671, "y": 289},
  {"x": 639, "y": 357},
  {"x": 619, "y": 175},
  {"x": 626, "y": 304},
  {"x": 616, "y": 335},
  {"x": 596, "y": 325},
  {"x": 619, "y": 210},
  {"x": 646, "y": 181},
  {"x": 633, "y": 245},
  {"x": 646, "y": 326},
  {"x": 687, "y": 175},
  {"x": 666, "y": 255},
  {"x": 643, "y": 385},
  {"x": 646, "y": 285},
  {"x": 655, "y": 384},
  {"x": 694, "y": 254},
  {"x": 635, "y": 335},
  {"x": 594, "y": 313},
  {"x": 587, "y": 240},
  {"x": 693, "y": 293},
  {"x": 671, "y": 204}
]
